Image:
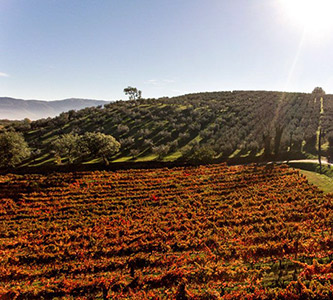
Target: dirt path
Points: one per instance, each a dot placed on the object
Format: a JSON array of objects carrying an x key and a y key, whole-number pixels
[{"x": 323, "y": 161}]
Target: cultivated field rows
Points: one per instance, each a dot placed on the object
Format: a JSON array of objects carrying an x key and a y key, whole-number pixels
[{"x": 208, "y": 232}]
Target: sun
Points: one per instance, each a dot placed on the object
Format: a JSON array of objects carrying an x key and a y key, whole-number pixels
[{"x": 315, "y": 16}]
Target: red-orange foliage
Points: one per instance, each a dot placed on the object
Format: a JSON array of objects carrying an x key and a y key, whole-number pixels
[{"x": 208, "y": 232}]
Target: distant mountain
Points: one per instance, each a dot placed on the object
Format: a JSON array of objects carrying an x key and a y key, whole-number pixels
[{"x": 17, "y": 109}]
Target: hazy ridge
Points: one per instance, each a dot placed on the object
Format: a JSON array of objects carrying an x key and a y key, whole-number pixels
[{"x": 18, "y": 109}]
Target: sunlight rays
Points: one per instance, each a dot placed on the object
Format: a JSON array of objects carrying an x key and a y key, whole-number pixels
[{"x": 295, "y": 61}]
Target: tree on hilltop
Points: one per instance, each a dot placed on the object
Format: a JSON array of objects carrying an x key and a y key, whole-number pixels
[
  {"x": 318, "y": 91},
  {"x": 132, "y": 92}
]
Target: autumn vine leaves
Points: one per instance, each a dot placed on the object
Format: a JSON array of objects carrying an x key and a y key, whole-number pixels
[{"x": 208, "y": 232}]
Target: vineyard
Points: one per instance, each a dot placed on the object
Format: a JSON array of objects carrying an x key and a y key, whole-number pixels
[{"x": 207, "y": 232}]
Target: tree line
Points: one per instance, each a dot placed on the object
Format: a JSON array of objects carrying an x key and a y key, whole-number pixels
[{"x": 69, "y": 147}]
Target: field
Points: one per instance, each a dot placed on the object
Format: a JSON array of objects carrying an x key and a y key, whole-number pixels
[{"x": 207, "y": 232}]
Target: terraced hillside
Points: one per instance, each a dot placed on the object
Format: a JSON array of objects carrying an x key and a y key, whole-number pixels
[
  {"x": 240, "y": 124},
  {"x": 208, "y": 232}
]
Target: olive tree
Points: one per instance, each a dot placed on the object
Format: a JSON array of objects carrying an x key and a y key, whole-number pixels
[
  {"x": 68, "y": 146},
  {"x": 98, "y": 144},
  {"x": 13, "y": 149}
]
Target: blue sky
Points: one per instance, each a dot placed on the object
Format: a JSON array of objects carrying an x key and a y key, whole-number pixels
[{"x": 56, "y": 49}]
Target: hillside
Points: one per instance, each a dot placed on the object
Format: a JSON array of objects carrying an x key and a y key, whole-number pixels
[
  {"x": 209, "y": 232},
  {"x": 17, "y": 109},
  {"x": 216, "y": 126}
]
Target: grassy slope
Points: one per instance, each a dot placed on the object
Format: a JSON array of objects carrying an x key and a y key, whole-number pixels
[{"x": 323, "y": 181}]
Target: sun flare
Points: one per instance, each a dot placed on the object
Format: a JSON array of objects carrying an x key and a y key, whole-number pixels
[{"x": 315, "y": 16}]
